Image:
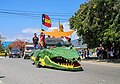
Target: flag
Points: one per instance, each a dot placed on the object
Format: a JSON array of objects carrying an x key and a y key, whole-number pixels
[
  {"x": 46, "y": 20},
  {"x": 60, "y": 27}
]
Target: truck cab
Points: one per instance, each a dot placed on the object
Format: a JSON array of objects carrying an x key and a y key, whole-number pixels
[{"x": 27, "y": 51}]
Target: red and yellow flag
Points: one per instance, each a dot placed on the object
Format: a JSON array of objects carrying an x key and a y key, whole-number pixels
[
  {"x": 61, "y": 27},
  {"x": 46, "y": 20}
]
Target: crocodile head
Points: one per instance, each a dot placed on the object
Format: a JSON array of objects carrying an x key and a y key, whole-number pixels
[{"x": 59, "y": 58}]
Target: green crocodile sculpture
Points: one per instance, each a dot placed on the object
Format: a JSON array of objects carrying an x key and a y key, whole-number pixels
[{"x": 64, "y": 58}]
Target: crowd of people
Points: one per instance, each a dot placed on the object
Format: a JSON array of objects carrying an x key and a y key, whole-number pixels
[
  {"x": 103, "y": 52},
  {"x": 85, "y": 52},
  {"x": 108, "y": 52}
]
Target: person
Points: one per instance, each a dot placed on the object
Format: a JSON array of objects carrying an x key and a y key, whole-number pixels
[
  {"x": 97, "y": 52},
  {"x": 82, "y": 53},
  {"x": 88, "y": 52},
  {"x": 5, "y": 53},
  {"x": 35, "y": 41},
  {"x": 100, "y": 57},
  {"x": 42, "y": 39},
  {"x": 85, "y": 53}
]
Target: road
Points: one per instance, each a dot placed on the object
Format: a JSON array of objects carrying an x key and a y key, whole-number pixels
[{"x": 20, "y": 71}]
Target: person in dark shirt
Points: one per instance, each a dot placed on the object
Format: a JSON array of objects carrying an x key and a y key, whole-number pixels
[{"x": 35, "y": 41}]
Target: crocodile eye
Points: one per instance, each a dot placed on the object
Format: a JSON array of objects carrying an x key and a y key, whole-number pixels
[{"x": 73, "y": 59}]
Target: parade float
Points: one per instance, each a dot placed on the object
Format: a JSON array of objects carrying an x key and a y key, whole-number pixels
[
  {"x": 56, "y": 54},
  {"x": 64, "y": 58}
]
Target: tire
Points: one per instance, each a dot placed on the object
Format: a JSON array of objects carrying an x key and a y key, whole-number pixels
[
  {"x": 38, "y": 65},
  {"x": 18, "y": 56},
  {"x": 24, "y": 57},
  {"x": 33, "y": 63}
]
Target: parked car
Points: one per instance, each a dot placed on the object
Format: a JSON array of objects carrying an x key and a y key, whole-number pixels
[
  {"x": 27, "y": 51},
  {"x": 15, "y": 53}
]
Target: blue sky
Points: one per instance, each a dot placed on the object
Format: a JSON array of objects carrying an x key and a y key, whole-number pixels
[{"x": 23, "y": 27}]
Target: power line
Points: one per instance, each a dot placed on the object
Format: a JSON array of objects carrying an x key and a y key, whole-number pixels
[
  {"x": 18, "y": 14},
  {"x": 36, "y": 16},
  {"x": 36, "y": 13}
]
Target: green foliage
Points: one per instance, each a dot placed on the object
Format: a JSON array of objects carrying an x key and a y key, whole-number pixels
[
  {"x": 98, "y": 21},
  {"x": 1, "y": 39},
  {"x": 1, "y": 48}
]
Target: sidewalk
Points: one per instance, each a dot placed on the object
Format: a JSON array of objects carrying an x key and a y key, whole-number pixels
[
  {"x": 103, "y": 63},
  {"x": 95, "y": 59}
]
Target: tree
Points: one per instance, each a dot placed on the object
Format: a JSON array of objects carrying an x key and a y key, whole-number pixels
[
  {"x": 18, "y": 44},
  {"x": 1, "y": 38},
  {"x": 98, "y": 21}
]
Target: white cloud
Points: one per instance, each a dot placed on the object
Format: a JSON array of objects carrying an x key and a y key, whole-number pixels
[
  {"x": 25, "y": 37},
  {"x": 27, "y": 33},
  {"x": 52, "y": 28},
  {"x": 30, "y": 30},
  {"x": 66, "y": 28}
]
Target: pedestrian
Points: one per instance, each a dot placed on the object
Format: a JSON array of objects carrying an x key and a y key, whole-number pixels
[
  {"x": 82, "y": 53},
  {"x": 88, "y": 52},
  {"x": 100, "y": 57},
  {"x": 85, "y": 53},
  {"x": 5, "y": 53},
  {"x": 42, "y": 40},
  {"x": 97, "y": 52},
  {"x": 35, "y": 41}
]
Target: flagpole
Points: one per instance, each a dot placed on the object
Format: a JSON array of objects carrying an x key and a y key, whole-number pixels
[
  {"x": 41, "y": 27},
  {"x": 59, "y": 24},
  {"x": 71, "y": 34}
]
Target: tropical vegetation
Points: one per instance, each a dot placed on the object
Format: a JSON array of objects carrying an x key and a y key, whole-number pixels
[{"x": 98, "y": 21}]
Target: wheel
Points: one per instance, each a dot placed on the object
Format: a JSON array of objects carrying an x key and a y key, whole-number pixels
[
  {"x": 38, "y": 65},
  {"x": 19, "y": 56},
  {"x": 24, "y": 57},
  {"x": 33, "y": 63}
]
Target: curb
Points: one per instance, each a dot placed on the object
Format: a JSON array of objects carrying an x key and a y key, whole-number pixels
[{"x": 105, "y": 60}]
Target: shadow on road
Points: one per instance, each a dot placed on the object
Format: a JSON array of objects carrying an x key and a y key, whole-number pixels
[
  {"x": 52, "y": 68},
  {"x": 2, "y": 76}
]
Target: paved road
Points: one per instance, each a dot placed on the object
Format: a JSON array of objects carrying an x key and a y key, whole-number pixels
[{"x": 20, "y": 71}]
